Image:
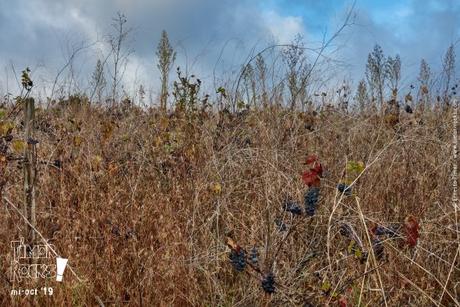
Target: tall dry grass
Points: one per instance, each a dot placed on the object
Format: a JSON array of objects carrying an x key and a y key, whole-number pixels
[{"x": 144, "y": 203}]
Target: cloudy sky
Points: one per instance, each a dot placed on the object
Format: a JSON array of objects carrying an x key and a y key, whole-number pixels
[{"x": 214, "y": 37}]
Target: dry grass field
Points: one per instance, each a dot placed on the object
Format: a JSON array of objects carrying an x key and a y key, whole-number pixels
[{"x": 156, "y": 209}]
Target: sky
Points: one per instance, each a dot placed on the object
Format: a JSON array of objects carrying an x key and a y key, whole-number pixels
[{"x": 214, "y": 38}]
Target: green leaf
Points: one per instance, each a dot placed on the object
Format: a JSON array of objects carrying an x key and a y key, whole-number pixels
[
  {"x": 355, "y": 167},
  {"x": 18, "y": 146},
  {"x": 6, "y": 128},
  {"x": 351, "y": 247},
  {"x": 222, "y": 91},
  {"x": 326, "y": 286},
  {"x": 358, "y": 253}
]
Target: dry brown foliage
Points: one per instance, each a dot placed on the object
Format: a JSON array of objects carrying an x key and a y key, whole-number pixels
[{"x": 144, "y": 204}]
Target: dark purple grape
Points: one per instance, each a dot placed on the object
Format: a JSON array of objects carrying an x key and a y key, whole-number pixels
[
  {"x": 292, "y": 207},
  {"x": 377, "y": 246},
  {"x": 343, "y": 188},
  {"x": 32, "y": 141},
  {"x": 268, "y": 283},
  {"x": 254, "y": 256},
  {"x": 57, "y": 164},
  {"x": 281, "y": 225},
  {"x": 311, "y": 200},
  {"x": 393, "y": 230},
  {"x": 345, "y": 230},
  {"x": 380, "y": 230},
  {"x": 238, "y": 259}
]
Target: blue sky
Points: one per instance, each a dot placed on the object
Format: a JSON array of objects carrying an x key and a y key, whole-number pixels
[{"x": 215, "y": 37}]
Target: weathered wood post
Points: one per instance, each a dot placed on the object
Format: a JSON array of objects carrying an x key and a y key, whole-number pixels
[{"x": 29, "y": 169}]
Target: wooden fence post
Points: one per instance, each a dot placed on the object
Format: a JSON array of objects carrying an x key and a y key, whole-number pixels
[{"x": 29, "y": 169}]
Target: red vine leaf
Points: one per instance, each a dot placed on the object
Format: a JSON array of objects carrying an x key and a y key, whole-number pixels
[
  {"x": 343, "y": 302},
  {"x": 311, "y": 177},
  {"x": 318, "y": 169},
  {"x": 311, "y": 159},
  {"x": 411, "y": 228}
]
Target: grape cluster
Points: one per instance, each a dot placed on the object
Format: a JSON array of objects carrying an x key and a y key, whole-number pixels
[
  {"x": 380, "y": 230},
  {"x": 343, "y": 188},
  {"x": 254, "y": 256},
  {"x": 280, "y": 224},
  {"x": 390, "y": 231},
  {"x": 292, "y": 207},
  {"x": 311, "y": 200},
  {"x": 454, "y": 89},
  {"x": 268, "y": 283},
  {"x": 377, "y": 246},
  {"x": 408, "y": 109},
  {"x": 57, "y": 164},
  {"x": 345, "y": 230},
  {"x": 238, "y": 259},
  {"x": 393, "y": 230}
]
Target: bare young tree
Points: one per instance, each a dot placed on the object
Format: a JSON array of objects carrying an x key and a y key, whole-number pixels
[
  {"x": 120, "y": 53},
  {"x": 166, "y": 57},
  {"x": 424, "y": 77},
  {"x": 297, "y": 70},
  {"x": 250, "y": 85},
  {"x": 98, "y": 82},
  {"x": 393, "y": 73},
  {"x": 141, "y": 92},
  {"x": 448, "y": 73},
  {"x": 261, "y": 69},
  {"x": 375, "y": 73},
  {"x": 318, "y": 56},
  {"x": 74, "y": 49},
  {"x": 361, "y": 96}
]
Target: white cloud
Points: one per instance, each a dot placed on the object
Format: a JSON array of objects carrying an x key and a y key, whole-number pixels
[{"x": 283, "y": 28}]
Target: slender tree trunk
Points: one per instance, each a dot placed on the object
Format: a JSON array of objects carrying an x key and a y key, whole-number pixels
[
  {"x": 29, "y": 169},
  {"x": 164, "y": 93}
]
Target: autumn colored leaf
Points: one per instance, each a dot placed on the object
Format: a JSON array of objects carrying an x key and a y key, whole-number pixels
[
  {"x": 343, "y": 302},
  {"x": 355, "y": 167},
  {"x": 232, "y": 244},
  {"x": 216, "y": 188},
  {"x": 411, "y": 228},
  {"x": 240, "y": 105},
  {"x": 318, "y": 169},
  {"x": 112, "y": 168},
  {"x": 311, "y": 159},
  {"x": 351, "y": 247},
  {"x": 5, "y": 128},
  {"x": 311, "y": 177},
  {"x": 96, "y": 162},
  {"x": 326, "y": 287},
  {"x": 164, "y": 123},
  {"x": 18, "y": 146},
  {"x": 77, "y": 140},
  {"x": 424, "y": 89},
  {"x": 107, "y": 130}
]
